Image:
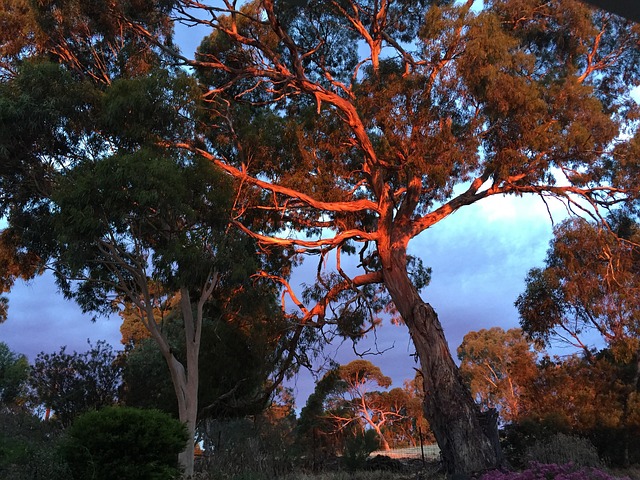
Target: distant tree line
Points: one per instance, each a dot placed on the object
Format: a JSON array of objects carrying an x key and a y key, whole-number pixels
[{"x": 587, "y": 297}]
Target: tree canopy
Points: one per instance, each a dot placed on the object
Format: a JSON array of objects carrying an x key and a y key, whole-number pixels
[
  {"x": 14, "y": 372},
  {"x": 69, "y": 384},
  {"x": 588, "y": 285},
  {"x": 499, "y": 366},
  {"x": 348, "y": 127}
]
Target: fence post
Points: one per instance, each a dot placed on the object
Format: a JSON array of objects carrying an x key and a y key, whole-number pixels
[{"x": 421, "y": 446}]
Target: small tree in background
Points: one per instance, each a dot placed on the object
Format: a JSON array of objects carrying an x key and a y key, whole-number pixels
[
  {"x": 70, "y": 384},
  {"x": 125, "y": 443},
  {"x": 497, "y": 366},
  {"x": 14, "y": 372},
  {"x": 369, "y": 408},
  {"x": 346, "y": 402}
]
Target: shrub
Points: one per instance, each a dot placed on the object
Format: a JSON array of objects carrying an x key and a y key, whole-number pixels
[
  {"x": 357, "y": 449},
  {"x": 518, "y": 437},
  {"x": 28, "y": 449},
  {"x": 124, "y": 443},
  {"x": 245, "y": 449},
  {"x": 563, "y": 449},
  {"x": 617, "y": 446},
  {"x": 541, "y": 471}
]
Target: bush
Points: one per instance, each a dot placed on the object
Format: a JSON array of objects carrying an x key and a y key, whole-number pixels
[
  {"x": 124, "y": 443},
  {"x": 358, "y": 448},
  {"x": 246, "y": 449},
  {"x": 28, "y": 449},
  {"x": 618, "y": 447},
  {"x": 540, "y": 471},
  {"x": 563, "y": 449},
  {"x": 518, "y": 437}
]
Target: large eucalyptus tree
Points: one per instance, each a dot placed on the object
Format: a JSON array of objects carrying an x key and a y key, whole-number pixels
[
  {"x": 355, "y": 125},
  {"x": 352, "y": 126}
]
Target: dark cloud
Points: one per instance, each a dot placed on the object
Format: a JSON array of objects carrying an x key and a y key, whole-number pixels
[{"x": 40, "y": 319}]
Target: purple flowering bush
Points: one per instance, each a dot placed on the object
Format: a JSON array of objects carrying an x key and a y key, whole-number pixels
[{"x": 552, "y": 471}]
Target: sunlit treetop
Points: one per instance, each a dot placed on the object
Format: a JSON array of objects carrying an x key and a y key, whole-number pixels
[{"x": 375, "y": 120}]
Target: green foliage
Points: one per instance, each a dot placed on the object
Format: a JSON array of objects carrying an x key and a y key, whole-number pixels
[
  {"x": 71, "y": 384},
  {"x": 124, "y": 443},
  {"x": 561, "y": 449},
  {"x": 238, "y": 355},
  {"x": 316, "y": 435},
  {"x": 14, "y": 372},
  {"x": 146, "y": 380},
  {"x": 28, "y": 448},
  {"x": 126, "y": 197},
  {"x": 357, "y": 448}
]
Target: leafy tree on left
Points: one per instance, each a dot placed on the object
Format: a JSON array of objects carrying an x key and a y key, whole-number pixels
[{"x": 89, "y": 193}]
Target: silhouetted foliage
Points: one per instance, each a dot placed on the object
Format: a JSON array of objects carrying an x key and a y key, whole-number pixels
[
  {"x": 14, "y": 372},
  {"x": 72, "y": 383}
]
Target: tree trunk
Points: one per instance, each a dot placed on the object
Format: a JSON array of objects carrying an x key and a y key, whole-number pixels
[
  {"x": 466, "y": 445},
  {"x": 383, "y": 441},
  {"x": 187, "y": 398},
  {"x": 188, "y": 415},
  {"x": 189, "y": 410}
]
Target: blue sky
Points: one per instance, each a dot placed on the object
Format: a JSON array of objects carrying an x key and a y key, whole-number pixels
[{"x": 480, "y": 256}]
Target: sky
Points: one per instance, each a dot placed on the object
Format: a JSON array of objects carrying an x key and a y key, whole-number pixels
[{"x": 479, "y": 257}]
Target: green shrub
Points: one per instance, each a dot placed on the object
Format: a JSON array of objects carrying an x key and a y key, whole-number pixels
[
  {"x": 357, "y": 449},
  {"x": 28, "y": 449},
  {"x": 563, "y": 449},
  {"x": 124, "y": 443}
]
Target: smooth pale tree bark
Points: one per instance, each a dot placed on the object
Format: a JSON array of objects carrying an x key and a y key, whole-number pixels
[
  {"x": 359, "y": 376},
  {"x": 184, "y": 377}
]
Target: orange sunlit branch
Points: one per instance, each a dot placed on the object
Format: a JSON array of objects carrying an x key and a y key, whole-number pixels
[
  {"x": 357, "y": 235},
  {"x": 346, "y": 206}
]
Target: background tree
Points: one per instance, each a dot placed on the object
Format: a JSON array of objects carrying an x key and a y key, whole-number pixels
[
  {"x": 412, "y": 428},
  {"x": 590, "y": 285},
  {"x": 348, "y": 400},
  {"x": 89, "y": 192},
  {"x": 494, "y": 102},
  {"x": 242, "y": 337},
  {"x": 583, "y": 397},
  {"x": 14, "y": 372},
  {"x": 366, "y": 405},
  {"x": 71, "y": 384},
  {"x": 315, "y": 432},
  {"x": 498, "y": 366}
]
